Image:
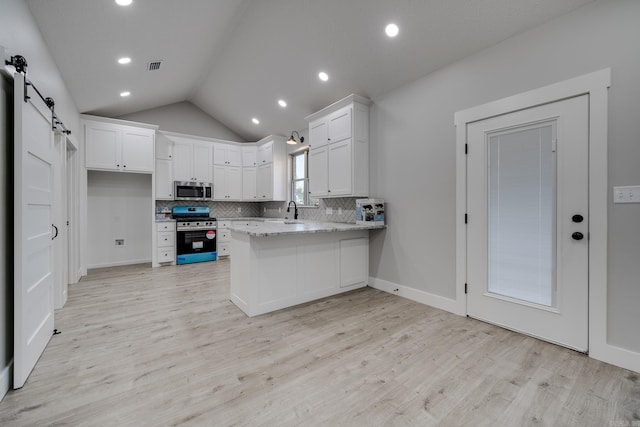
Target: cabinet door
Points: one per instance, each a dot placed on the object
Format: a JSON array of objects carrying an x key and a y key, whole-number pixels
[
  {"x": 340, "y": 168},
  {"x": 219, "y": 154},
  {"x": 249, "y": 156},
  {"x": 249, "y": 184},
  {"x": 102, "y": 146},
  {"x": 265, "y": 153},
  {"x": 137, "y": 150},
  {"x": 234, "y": 183},
  {"x": 340, "y": 125},
  {"x": 164, "y": 179},
  {"x": 183, "y": 162},
  {"x": 265, "y": 182},
  {"x": 219, "y": 182},
  {"x": 234, "y": 156},
  {"x": 164, "y": 147},
  {"x": 318, "y": 133},
  {"x": 318, "y": 170},
  {"x": 202, "y": 163}
]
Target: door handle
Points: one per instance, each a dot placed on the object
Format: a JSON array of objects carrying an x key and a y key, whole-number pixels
[
  {"x": 56, "y": 235},
  {"x": 577, "y": 236}
]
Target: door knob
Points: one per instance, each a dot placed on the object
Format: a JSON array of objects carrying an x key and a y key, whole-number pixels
[
  {"x": 577, "y": 218},
  {"x": 577, "y": 236}
]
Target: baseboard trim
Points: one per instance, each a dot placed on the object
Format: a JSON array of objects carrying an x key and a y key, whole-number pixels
[
  {"x": 119, "y": 263},
  {"x": 617, "y": 356},
  {"x": 433, "y": 300},
  {"x": 5, "y": 380}
]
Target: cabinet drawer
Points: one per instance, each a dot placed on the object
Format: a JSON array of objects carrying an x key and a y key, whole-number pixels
[
  {"x": 166, "y": 239},
  {"x": 166, "y": 255},
  {"x": 224, "y": 235},
  {"x": 166, "y": 226},
  {"x": 224, "y": 249},
  {"x": 224, "y": 224}
]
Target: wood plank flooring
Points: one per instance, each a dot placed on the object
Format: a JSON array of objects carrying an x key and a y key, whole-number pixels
[{"x": 162, "y": 347}]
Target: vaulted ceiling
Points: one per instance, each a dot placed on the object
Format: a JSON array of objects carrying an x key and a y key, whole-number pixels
[{"x": 235, "y": 59}]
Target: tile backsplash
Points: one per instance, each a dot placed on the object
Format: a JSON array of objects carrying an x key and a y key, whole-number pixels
[{"x": 342, "y": 209}]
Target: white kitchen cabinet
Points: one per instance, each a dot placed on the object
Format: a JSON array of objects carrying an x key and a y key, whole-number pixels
[
  {"x": 227, "y": 183},
  {"x": 271, "y": 173},
  {"x": 111, "y": 145},
  {"x": 164, "y": 148},
  {"x": 339, "y": 149},
  {"x": 223, "y": 238},
  {"x": 249, "y": 156},
  {"x": 164, "y": 179},
  {"x": 165, "y": 242},
  {"x": 192, "y": 161},
  {"x": 227, "y": 155},
  {"x": 249, "y": 182},
  {"x": 164, "y": 168},
  {"x": 265, "y": 153},
  {"x": 264, "y": 184}
]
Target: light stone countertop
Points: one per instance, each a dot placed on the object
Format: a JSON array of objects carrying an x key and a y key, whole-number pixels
[{"x": 278, "y": 227}]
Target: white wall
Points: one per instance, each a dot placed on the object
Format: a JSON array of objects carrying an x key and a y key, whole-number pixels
[
  {"x": 118, "y": 207},
  {"x": 413, "y": 149},
  {"x": 184, "y": 117},
  {"x": 19, "y": 35}
]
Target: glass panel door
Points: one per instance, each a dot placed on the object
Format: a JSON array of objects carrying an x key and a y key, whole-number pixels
[{"x": 521, "y": 213}]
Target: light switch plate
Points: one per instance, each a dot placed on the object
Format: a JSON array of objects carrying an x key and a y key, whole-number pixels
[{"x": 627, "y": 194}]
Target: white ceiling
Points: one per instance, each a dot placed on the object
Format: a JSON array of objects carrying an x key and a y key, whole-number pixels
[{"x": 235, "y": 58}]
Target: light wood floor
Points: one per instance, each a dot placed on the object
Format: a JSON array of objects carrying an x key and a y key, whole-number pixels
[{"x": 160, "y": 347}]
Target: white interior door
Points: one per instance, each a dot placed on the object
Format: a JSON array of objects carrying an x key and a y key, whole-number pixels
[
  {"x": 527, "y": 201},
  {"x": 34, "y": 156}
]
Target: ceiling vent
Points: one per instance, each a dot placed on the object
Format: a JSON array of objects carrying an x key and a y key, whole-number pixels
[{"x": 154, "y": 65}]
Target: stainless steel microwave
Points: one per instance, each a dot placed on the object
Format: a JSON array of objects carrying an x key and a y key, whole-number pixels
[{"x": 194, "y": 191}]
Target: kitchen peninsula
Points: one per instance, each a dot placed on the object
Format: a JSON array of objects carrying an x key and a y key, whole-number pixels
[{"x": 279, "y": 264}]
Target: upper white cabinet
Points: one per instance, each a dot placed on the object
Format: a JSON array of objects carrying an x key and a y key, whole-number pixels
[
  {"x": 249, "y": 171},
  {"x": 339, "y": 149},
  {"x": 116, "y": 145},
  {"x": 164, "y": 168},
  {"x": 227, "y": 183},
  {"x": 192, "y": 160},
  {"x": 227, "y": 155},
  {"x": 271, "y": 172},
  {"x": 249, "y": 156}
]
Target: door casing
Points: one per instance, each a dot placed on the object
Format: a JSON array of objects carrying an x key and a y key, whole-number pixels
[{"x": 596, "y": 85}]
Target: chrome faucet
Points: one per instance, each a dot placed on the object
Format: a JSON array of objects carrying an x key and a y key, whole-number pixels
[{"x": 295, "y": 212}]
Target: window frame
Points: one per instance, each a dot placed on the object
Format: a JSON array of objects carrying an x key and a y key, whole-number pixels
[{"x": 292, "y": 183}]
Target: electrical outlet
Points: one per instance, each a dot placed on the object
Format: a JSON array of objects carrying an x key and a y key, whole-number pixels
[
  {"x": 329, "y": 211},
  {"x": 239, "y": 210},
  {"x": 339, "y": 211},
  {"x": 628, "y": 194},
  {"x": 279, "y": 209},
  {"x": 119, "y": 242},
  {"x": 264, "y": 209}
]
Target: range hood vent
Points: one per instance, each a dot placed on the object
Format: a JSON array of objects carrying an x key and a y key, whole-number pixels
[{"x": 154, "y": 65}]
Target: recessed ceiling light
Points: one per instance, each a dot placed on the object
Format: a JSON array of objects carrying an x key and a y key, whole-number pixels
[
  {"x": 392, "y": 30},
  {"x": 323, "y": 76},
  {"x": 282, "y": 103},
  {"x": 124, "y": 60},
  {"x": 124, "y": 2},
  {"x": 255, "y": 121},
  {"x": 125, "y": 93}
]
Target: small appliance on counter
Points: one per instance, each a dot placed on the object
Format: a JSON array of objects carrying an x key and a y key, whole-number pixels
[
  {"x": 195, "y": 234},
  {"x": 370, "y": 211}
]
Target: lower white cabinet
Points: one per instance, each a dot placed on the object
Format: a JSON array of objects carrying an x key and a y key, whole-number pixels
[
  {"x": 269, "y": 273},
  {"x": 165, "y": 242},
  {"x": 223, "y": 238}
]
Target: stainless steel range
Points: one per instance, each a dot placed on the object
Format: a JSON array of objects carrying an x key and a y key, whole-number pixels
[{"x": 196, "y": 234}]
